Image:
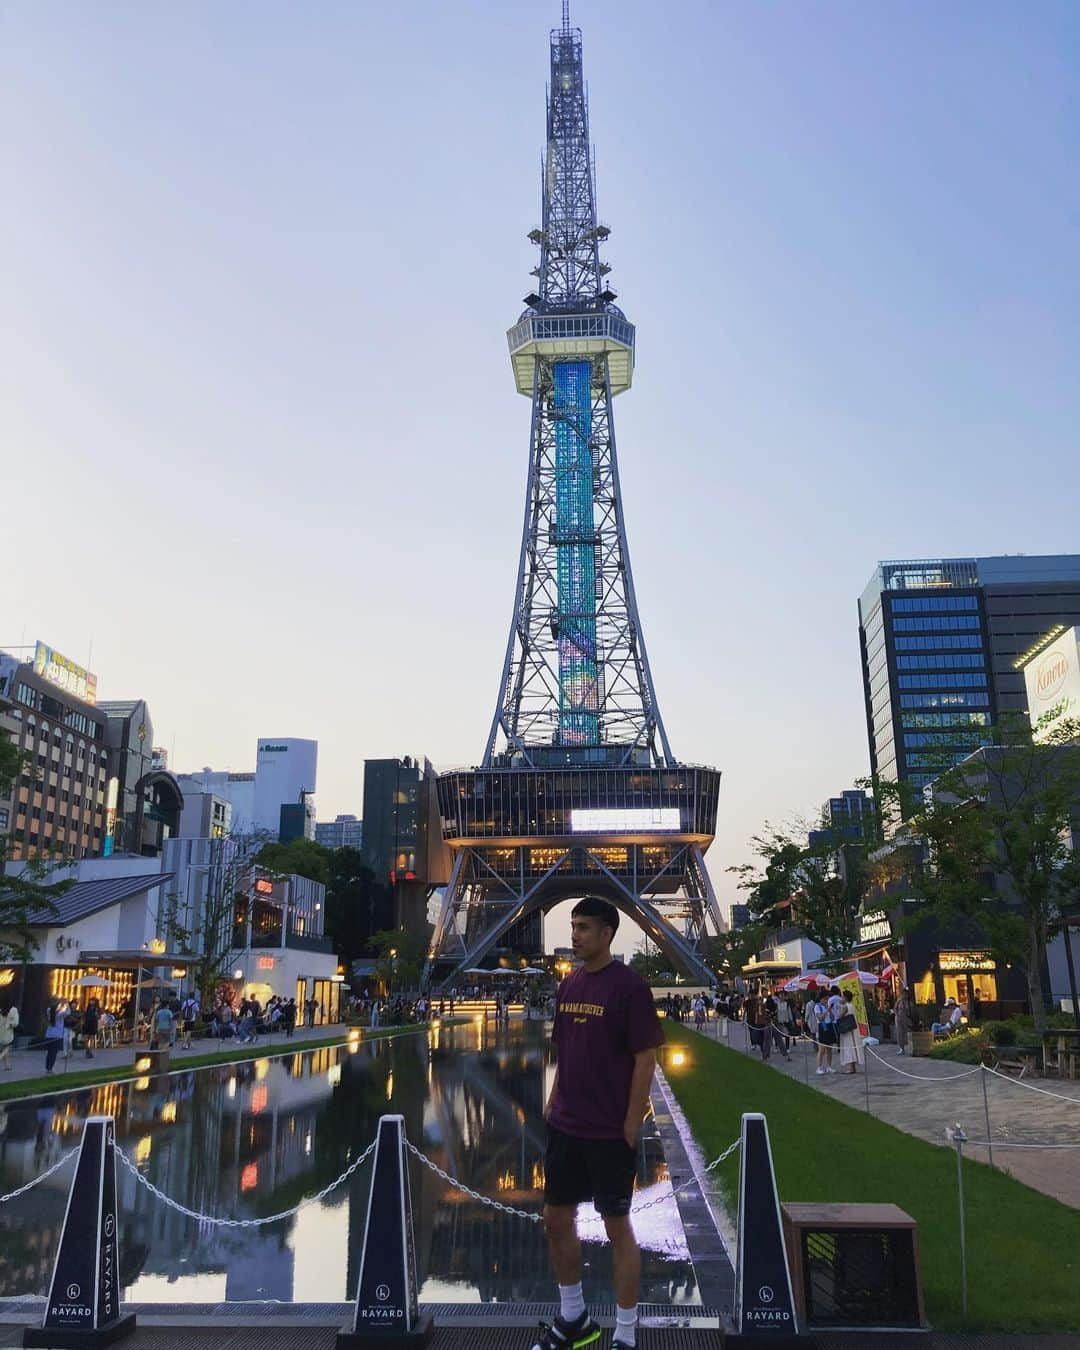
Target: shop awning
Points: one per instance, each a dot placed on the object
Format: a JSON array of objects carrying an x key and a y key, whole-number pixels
[{"x": 771, "y": 967}]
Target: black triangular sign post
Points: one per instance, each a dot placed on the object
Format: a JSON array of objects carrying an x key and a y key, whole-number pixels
[
  {"x": 764, "y": 1304},
  {"x": 83, "y": 1307},
  {"x": 386, "y": 1312}
]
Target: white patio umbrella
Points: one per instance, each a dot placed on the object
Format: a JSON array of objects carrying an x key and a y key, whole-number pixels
[
  {"x": 93, "y": 982},
  {"x": 866, "y": 977},
  {"x": 530, "y": 970}
]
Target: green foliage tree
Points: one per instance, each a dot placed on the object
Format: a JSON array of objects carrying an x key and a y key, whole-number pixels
[
  {"x": 350, "y": 898},
  {"x": 650, "y": 963},
  {"x": 817, "y": 883},
  {"x": 299, "y": 857},
  {"x": 1000, "y": 828},
  {"x": 399, "y": 958}
]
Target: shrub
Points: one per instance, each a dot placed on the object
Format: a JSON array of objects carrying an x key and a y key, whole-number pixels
[{"x": 1001, "y": 1033}]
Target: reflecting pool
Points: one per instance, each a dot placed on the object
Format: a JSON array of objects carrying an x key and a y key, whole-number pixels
[{"x": 253, "y": 1139}]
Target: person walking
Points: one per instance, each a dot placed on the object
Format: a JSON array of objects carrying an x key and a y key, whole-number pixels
[
  {"x": 164, "y": 1026},
  {"x": 699, "y": 1013},
  {"x": 770, "y": 1011},
  {"x": 606, "y": 1032},
  {"x": 189, "y": 1012},
  {"x": 847, "y": 1024},
  {"x": 902, "y": 1014},
  {"x": 9, "y": 1021},
  {"x": 826, "y": 1037},
  {"x": 54, "y": 1032},
  {"x": 785, "y": 1020},
  {"x": 90, "y": 1022}
]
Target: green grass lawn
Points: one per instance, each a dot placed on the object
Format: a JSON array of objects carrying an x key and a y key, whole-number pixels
[
  {"x": 183, "y": 1060},
  {"x": 1023, "y": 1247}
]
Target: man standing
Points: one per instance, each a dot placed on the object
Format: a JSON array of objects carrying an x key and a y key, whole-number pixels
[{"x": 605, "y": 1032}]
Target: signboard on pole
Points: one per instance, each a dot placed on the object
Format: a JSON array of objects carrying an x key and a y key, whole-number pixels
[
  {"x": 851, "y": 982},
  {"x": 83, "y": 1307},
  {"x": 386, "y": 1312},
  {"x": 764, "y": 1302}
]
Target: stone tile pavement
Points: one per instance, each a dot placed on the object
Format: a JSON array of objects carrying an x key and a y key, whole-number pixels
[{"x": 923, "y": 1096}]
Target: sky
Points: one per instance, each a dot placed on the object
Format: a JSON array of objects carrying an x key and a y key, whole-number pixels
[{"x": 263, "y": 458}]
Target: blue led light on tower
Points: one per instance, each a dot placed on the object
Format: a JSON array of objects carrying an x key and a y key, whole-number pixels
[{"x": 575, "y": 543}]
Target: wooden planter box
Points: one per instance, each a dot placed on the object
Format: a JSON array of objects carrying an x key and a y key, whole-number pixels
[{"x": 922, "y": 1042}]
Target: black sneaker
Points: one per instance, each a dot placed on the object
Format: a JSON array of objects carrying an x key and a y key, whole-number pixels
[{"x": 563, "y": 1335}]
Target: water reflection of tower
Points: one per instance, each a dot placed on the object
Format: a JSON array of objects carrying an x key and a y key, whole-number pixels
[{"x": 485, "y": 1127}]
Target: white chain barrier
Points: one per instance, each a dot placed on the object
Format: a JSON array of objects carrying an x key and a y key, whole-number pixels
[
  {"x": 11, "y": 1195},
  {"x": 531, "y": 1217},
  {"x": 212, "y": 1222}
]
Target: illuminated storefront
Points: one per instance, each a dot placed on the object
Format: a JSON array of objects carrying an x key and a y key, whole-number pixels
[{"x": 938, "y": 960}]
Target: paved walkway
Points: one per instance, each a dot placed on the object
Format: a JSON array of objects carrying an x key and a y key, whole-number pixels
[
  {"x": 31, "y": 1063},
  {"x": 923, "y": 1096}
]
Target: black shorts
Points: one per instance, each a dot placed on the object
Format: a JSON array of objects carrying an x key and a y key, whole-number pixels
[{"x": 600, "y": 1170}]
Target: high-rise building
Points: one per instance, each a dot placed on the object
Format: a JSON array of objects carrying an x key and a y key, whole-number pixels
[
  {"x": 402, "y": 839},
  {"x": 285, "y": 772},
  {"x": 342, "y": 832},
  {"x": 943, "y": 642},
  {"x": 284, "y": 777},
  {"x": 849, "y": 817},
  {"x": 238, "y": 789}
]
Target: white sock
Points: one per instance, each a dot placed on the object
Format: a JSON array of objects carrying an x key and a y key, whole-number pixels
[
  {"x": 626, "y": 1325},
  {"x": 572, "y": 1302}
]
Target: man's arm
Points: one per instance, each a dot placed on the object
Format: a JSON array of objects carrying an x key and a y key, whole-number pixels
[{"x": 644, "y": 1067}]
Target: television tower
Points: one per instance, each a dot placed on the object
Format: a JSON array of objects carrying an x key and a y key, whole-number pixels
[{"x": 578, "y": 791}]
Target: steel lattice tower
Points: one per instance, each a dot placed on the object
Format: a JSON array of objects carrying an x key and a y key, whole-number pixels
[{"x": 578, "y": 790}]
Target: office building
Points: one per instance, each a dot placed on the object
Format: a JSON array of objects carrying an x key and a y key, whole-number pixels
[
  {"x": 342, "y": 832},
  {"x": 943, "y": 642},
  {"x": 143, "y": 801},
  {"x": 402, "y": 839},
  {"x": 238, "y": 789},
  {"x": 58, "y": 802},
  {"x": 205, "y": 816},
  {"x": 847, "y": 818},
  {"x": 285, "y": 774}
]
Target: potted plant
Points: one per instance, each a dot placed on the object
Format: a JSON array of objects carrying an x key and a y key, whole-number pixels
[{"x": 922, "y": 1038}]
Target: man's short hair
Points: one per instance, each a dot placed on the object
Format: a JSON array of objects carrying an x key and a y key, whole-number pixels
[{"x": 593, "y": 907}]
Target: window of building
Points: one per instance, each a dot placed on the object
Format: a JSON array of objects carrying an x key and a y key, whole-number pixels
[
  {"x": 940, "y": 643},
  {"x": 945, "y": 661},
  {"x": 945, "y": 719},
  {"x": 928, "y": 604},
  {"x": 4, "y": 817},
  {"x": 945, "y": 623},
  {"x": 940, "y": 700},
  {"x": 942, "y": 681}
]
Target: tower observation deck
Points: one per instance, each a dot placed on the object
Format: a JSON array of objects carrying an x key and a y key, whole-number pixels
[{"x": 578, "y": 791}]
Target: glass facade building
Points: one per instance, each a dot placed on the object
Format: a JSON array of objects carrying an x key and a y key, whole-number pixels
[{"x": 941, "y": 642}]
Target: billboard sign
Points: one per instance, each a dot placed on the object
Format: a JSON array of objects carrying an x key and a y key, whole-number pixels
[
  {"x": 65, "y": 674},
  {"x": 1052, "y": 679}
]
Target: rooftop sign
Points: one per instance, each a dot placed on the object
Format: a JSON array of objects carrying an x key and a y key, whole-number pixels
[{"x": 58, "y": 670}]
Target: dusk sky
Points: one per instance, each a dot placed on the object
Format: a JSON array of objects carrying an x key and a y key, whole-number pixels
[{"x": 264, "y": 459}]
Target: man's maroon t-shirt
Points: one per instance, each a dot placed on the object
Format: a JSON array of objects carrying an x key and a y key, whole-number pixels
[{"x": 602, "y": 1020}]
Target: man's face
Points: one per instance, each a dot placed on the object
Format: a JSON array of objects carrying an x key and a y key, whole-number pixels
[{"x": 589, "y": 937}]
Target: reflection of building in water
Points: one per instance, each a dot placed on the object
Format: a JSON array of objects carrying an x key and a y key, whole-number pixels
[{"x": 257, "y": 1137}]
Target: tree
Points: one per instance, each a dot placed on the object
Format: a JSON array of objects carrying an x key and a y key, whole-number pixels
[
  {"x": 206, "y": 930},
  {"x": 399, "y": 958},
  {"x": 999, "y": 828},
  {"x": 819, "y": 877},
  {"x": 299, "y": 857},
  {"x": 30, "y": 891},
  {"x": 350, "y": 898},
  {"x": 651, "y": 964}
]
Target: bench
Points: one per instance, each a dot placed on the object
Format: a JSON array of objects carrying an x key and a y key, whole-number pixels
[{"x": 1015, "y": 1061}]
